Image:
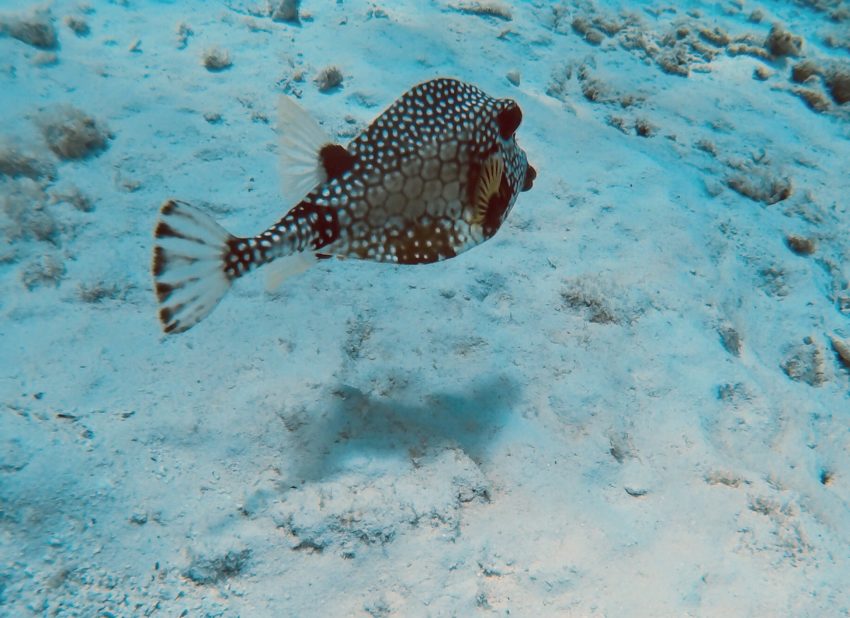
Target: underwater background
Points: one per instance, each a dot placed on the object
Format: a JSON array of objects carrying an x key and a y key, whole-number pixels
[{"x": 632, "y": 401}]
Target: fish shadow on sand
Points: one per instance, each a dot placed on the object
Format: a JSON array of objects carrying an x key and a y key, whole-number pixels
[{"x": 359, "y": 426}]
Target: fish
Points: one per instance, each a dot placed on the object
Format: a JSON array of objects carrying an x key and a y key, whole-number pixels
[{"x": 431, "y": 177}]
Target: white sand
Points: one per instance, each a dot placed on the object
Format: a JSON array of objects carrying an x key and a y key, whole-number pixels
[{"x": 548, "y": 425}]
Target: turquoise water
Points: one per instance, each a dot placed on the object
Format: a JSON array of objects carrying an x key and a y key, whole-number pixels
[{"x": 631, "y": 400}]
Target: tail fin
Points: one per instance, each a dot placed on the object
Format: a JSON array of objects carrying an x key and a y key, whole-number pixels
[{"x": 188, "y": 265}]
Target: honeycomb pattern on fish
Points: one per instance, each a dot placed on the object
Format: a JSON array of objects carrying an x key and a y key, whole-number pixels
[{"x": 409, "y": 196}]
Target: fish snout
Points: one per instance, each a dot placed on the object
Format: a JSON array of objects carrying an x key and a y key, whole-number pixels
[{"x": 530, "y": 175}]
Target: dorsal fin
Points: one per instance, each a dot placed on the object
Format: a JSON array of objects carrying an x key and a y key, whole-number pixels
[
  {"x": 301, "y": 139},
  {"x": 308, "y": 157}
]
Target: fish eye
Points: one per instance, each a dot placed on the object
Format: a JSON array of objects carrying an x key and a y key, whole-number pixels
[{"x": 509, "y": 120}]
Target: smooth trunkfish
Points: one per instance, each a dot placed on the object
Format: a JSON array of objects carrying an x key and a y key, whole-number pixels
[{"x": 434, "y": 175}]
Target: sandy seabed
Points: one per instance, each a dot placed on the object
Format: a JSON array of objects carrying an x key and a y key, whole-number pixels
[{"x": 633, "y": 401}]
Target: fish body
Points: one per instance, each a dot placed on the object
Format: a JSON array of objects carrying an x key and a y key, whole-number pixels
[{"x": 433, "y": 176}]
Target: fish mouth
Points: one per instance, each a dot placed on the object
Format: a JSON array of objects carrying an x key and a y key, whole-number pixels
[{"x": 530, "y": 175}]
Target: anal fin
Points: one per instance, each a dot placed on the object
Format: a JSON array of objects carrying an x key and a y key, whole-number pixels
[{"x": 281, "y": 269}]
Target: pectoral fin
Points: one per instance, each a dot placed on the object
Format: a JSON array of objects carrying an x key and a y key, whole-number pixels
[{"x": 488, "y": 186}]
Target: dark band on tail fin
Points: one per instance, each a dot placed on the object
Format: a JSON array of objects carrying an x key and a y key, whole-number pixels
[{"x": 188, "y": 265}]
